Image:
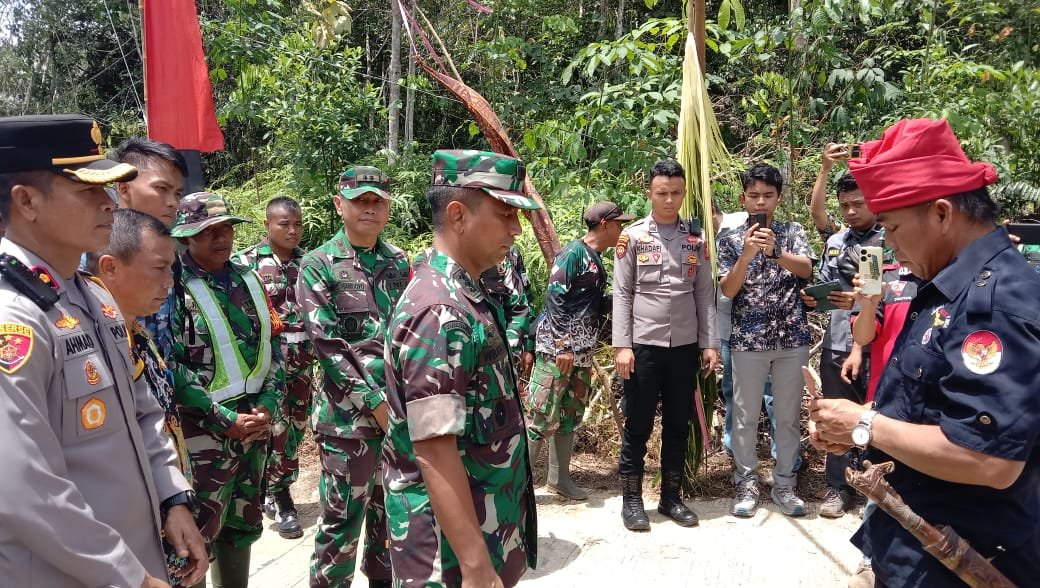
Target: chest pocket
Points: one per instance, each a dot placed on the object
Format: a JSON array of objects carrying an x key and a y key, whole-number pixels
[
  {"x": 920, "y": 370},
  {"x": 352, "y": 311},
  {"x": 91, "y": 406},
  {"x": 496, "y": 412},
  {"x": 649, "y": 263}
]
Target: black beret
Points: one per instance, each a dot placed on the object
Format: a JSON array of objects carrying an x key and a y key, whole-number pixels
[{"x": 66, "y": 144}]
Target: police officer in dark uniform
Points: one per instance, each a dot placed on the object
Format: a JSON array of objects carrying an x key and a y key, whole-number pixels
[{"x": 957, "y": 408}]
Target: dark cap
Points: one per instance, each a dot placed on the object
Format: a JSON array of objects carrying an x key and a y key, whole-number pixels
[
  {"x": 200, "y": 211},
  {"x": 361, "y": 179},
  {"x": 66, "y": 144},
  {"x": 604, "y": 211}
]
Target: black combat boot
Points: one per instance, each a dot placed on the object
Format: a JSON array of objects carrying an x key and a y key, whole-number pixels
[
  {"x": 288, "y": 522},
  {"x": 632, "y": 512},
  {"x": 671, "y": 504}
]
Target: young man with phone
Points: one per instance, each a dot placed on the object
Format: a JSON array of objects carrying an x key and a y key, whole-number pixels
[
  {"x": 764, "y": 266},
  {"x": 839, "y": 263}
]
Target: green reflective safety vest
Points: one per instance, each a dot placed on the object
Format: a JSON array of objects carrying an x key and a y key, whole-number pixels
[{"x": 230, "y": 380}]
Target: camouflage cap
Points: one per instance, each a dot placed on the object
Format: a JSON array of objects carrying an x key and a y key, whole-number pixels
[
  {"x": 499, "y": 175},
  {"x": 363, "y": 178},
  {"x": 201, "y": 210}
]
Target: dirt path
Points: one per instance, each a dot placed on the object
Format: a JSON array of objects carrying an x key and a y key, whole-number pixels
[{"x": 584, "y": 544}]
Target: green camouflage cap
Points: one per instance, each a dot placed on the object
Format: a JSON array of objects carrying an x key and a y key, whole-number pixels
[
  {"x": 499, "y": 175},
  {"x": 202, "y": 210},
  {"x": 357, "y": 180}
]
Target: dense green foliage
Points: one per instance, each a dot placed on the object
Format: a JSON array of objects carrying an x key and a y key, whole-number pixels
[{"x": 588, "y": 89}]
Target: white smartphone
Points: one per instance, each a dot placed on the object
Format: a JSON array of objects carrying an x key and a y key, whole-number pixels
[{"x": 870, "y": 270}]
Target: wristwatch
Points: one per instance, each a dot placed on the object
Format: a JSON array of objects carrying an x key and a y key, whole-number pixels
[
  {"x": 861, "y": 433},
  {"x": 187, "y": 498}
]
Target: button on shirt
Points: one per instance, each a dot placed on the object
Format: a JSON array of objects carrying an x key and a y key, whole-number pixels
[
  {"x": 768, "y": 312},
  {"x": 664, "y": 293},
  {"x": 967, "y": 360}
]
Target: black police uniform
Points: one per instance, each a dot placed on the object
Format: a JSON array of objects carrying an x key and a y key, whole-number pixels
[{"x": 967, "y": 360}]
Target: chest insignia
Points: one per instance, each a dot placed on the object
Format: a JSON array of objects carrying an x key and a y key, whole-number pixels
[
  {"x": 109, "y": 311},
  {"x": 982, "y": 351},
  {"x": 66, "y": 321},
  {"x": 646, "y": 239},
  {"x": 622, "y": 247},
  {"x": 16, "y": 345},
  {"x": 93, "y": 413},
  {"x": 833, "y": 252},
  {"x": 693, "y": 239},
  {"x": 941, "y": 318},
  {"x": 93, "y": 377},
  {"x": 691, "y": 259},
  {"x": 896, "y": 288}
]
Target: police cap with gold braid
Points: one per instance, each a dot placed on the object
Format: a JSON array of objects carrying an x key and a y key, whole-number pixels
[{"x": 67, "y": 144}]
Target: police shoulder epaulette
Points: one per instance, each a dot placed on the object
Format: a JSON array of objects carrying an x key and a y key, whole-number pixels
[{"x": 27, "y": 283}]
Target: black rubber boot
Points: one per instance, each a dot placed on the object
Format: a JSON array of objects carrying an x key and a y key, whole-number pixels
[
  {"x": 380, "y": 584},
  {"x": 632, "y": 512},
  {"x": 288, "y": 521},
  {"x": 230, "y": 566},
  {"x": 671, "y": 504}
]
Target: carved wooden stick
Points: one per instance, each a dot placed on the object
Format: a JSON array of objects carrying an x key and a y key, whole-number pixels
[{"x": 942, "y": 542}]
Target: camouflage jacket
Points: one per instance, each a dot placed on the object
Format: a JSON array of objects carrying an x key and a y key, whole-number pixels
[
  {"x": 193, "y": 362},
  {"x": 450, "y": 373},
  {"x": 573, "y": 304},
  {"x": 346, "y": 297},
  {"x": 508, "y": 285}
]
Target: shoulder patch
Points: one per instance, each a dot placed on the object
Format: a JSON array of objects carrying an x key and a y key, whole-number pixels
[
  {"x": 981, "y": 352},
  {"x": 622, "y": 246},
  {"x": 16, "y": 346}
]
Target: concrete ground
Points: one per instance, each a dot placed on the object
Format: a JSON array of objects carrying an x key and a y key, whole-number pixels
[{"x": 584, "y": 544}]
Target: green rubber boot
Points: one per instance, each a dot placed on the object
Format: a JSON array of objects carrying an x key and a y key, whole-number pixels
[
  {"x": 230, "y": 566},
  {"x": 561, "y": 447}
]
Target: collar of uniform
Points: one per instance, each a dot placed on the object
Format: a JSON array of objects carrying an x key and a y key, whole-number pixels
[
  {"x": 264, "y": 248},
  {"x": 31, "y": 260},
  {"x": 444, "y": 264},
  {"x": 345, "y": 249},
  {"x": 966, "y": 266},
  {"x": 860, "y": 236},
  {"x": 193, "y": 267},
  {"x": 651, "y": 226}
]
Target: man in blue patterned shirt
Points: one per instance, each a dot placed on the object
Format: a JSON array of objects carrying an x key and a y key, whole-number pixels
[{"x": 763, "y": 268}]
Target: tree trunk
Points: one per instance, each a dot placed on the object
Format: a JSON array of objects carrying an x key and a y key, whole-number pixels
[
  {"x": 619, "y": 25},
  {"x": 394, "y": 102},
  {"x": 409, "y": 100},
  {"x": 604, "y": 12},
  {"x": 368, "y": 75}
]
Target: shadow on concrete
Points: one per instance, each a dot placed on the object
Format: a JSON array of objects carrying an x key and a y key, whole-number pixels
[{"x": 554, "y": 554}]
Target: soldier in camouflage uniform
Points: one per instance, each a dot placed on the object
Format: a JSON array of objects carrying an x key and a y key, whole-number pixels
[
  {"x": 452, "y": 393},
  {"x": 228, "y": 381},
  {"x": 566, "y": 341},
  {"x": 277, "y": 260},
  {"x": 348, "y": 288},
  {"x": 508, "y": 285}
]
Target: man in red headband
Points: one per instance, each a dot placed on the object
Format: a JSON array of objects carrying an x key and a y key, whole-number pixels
[{"x": 957, "y": 407}]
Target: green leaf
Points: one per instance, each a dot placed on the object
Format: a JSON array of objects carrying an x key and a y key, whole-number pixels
[
  {"x": 474, "y": 130},
  {"x": 724, "y": 10}
]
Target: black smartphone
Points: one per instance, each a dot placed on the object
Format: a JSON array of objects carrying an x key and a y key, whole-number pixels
[
  {"x": 1029, "y": 233},
  {"x": 854, "y": 150},
  {"x": 757, "y": 218},
  {"x": 820, "y": 291}
]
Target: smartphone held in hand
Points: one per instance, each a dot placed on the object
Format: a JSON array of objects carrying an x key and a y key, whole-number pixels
[
  {"x": 870, "y": 270},
  {"x": 757, "y": 218}
]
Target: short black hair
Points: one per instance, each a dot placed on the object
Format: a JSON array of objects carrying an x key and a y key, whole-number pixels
[
  {"x": 668, "y": 168},
  {"x": 127, "y": 229},
  {"x": 440, "y": 197},
  {"x": 285, "y": 203},
  {"x": 138, "y": 150},
  {"x": 39, "y": 179},
  {"x": 763, "y": 172},
  {"x": 846, "y": 183},
  {"x": 977, "y": 205}
]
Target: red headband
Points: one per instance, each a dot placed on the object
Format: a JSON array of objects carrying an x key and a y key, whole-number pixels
[{"x": 916, "y": 161}]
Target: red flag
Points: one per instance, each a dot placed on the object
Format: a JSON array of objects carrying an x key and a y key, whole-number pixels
[{"x": 177, "y": 88}]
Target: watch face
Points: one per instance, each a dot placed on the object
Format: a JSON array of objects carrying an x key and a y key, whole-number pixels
[{"x": 860, "y": 435}]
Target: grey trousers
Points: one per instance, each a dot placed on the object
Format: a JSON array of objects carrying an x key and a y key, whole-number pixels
[{"x": 750, "y": 370}]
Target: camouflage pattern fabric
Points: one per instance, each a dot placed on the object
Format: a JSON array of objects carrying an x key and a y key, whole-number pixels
[
  {"x": 499, "y": 175},
  {"x": 347, "y": 296},
  {"x": 573, "y": 304},
  {"x": 450, "y": 373},
  {"x": 556, "y": 403},
  {"x": 279, "y": 278},
  {"x": 509, "y": 287},
  {"x": 229, "y": 475},
  {"x": 351, "y": 489}
]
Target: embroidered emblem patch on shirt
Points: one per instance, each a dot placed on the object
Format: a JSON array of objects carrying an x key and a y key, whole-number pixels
[
  {"x": 981, "y": 352},
  {"x": 691, "y": 259},
  {"x": 621, "y": 247},
  {"x": 941, "y": 318},
  {"x": 93, "y": 413},
  {"x": 16, "y": 345},
  {"x": 109, "y": 311},
  {"x": 93, "y": 376},
  {"x": 66, "y": 321}
]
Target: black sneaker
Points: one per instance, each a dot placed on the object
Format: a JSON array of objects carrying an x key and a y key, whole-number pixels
[{"x": 288, "y": 524}]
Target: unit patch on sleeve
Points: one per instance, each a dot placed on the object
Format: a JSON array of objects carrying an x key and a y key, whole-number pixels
[
  {"x": 981, "y": 352},
  {"x": 16, "y": 345}
]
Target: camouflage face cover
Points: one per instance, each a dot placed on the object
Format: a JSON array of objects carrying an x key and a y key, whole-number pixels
[
  {"x": 361, "y": 179},
  {"x": 202, "y": 210},
  {"x": 499, "y": 175}
]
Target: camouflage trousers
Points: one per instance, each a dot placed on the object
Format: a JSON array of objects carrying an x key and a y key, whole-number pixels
[
  {"x": 283, "y": 467},
  {"x": 351, "y": 490},
  {"x": 555, "y": 403},
  {"x": 229, "y": 478}
]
